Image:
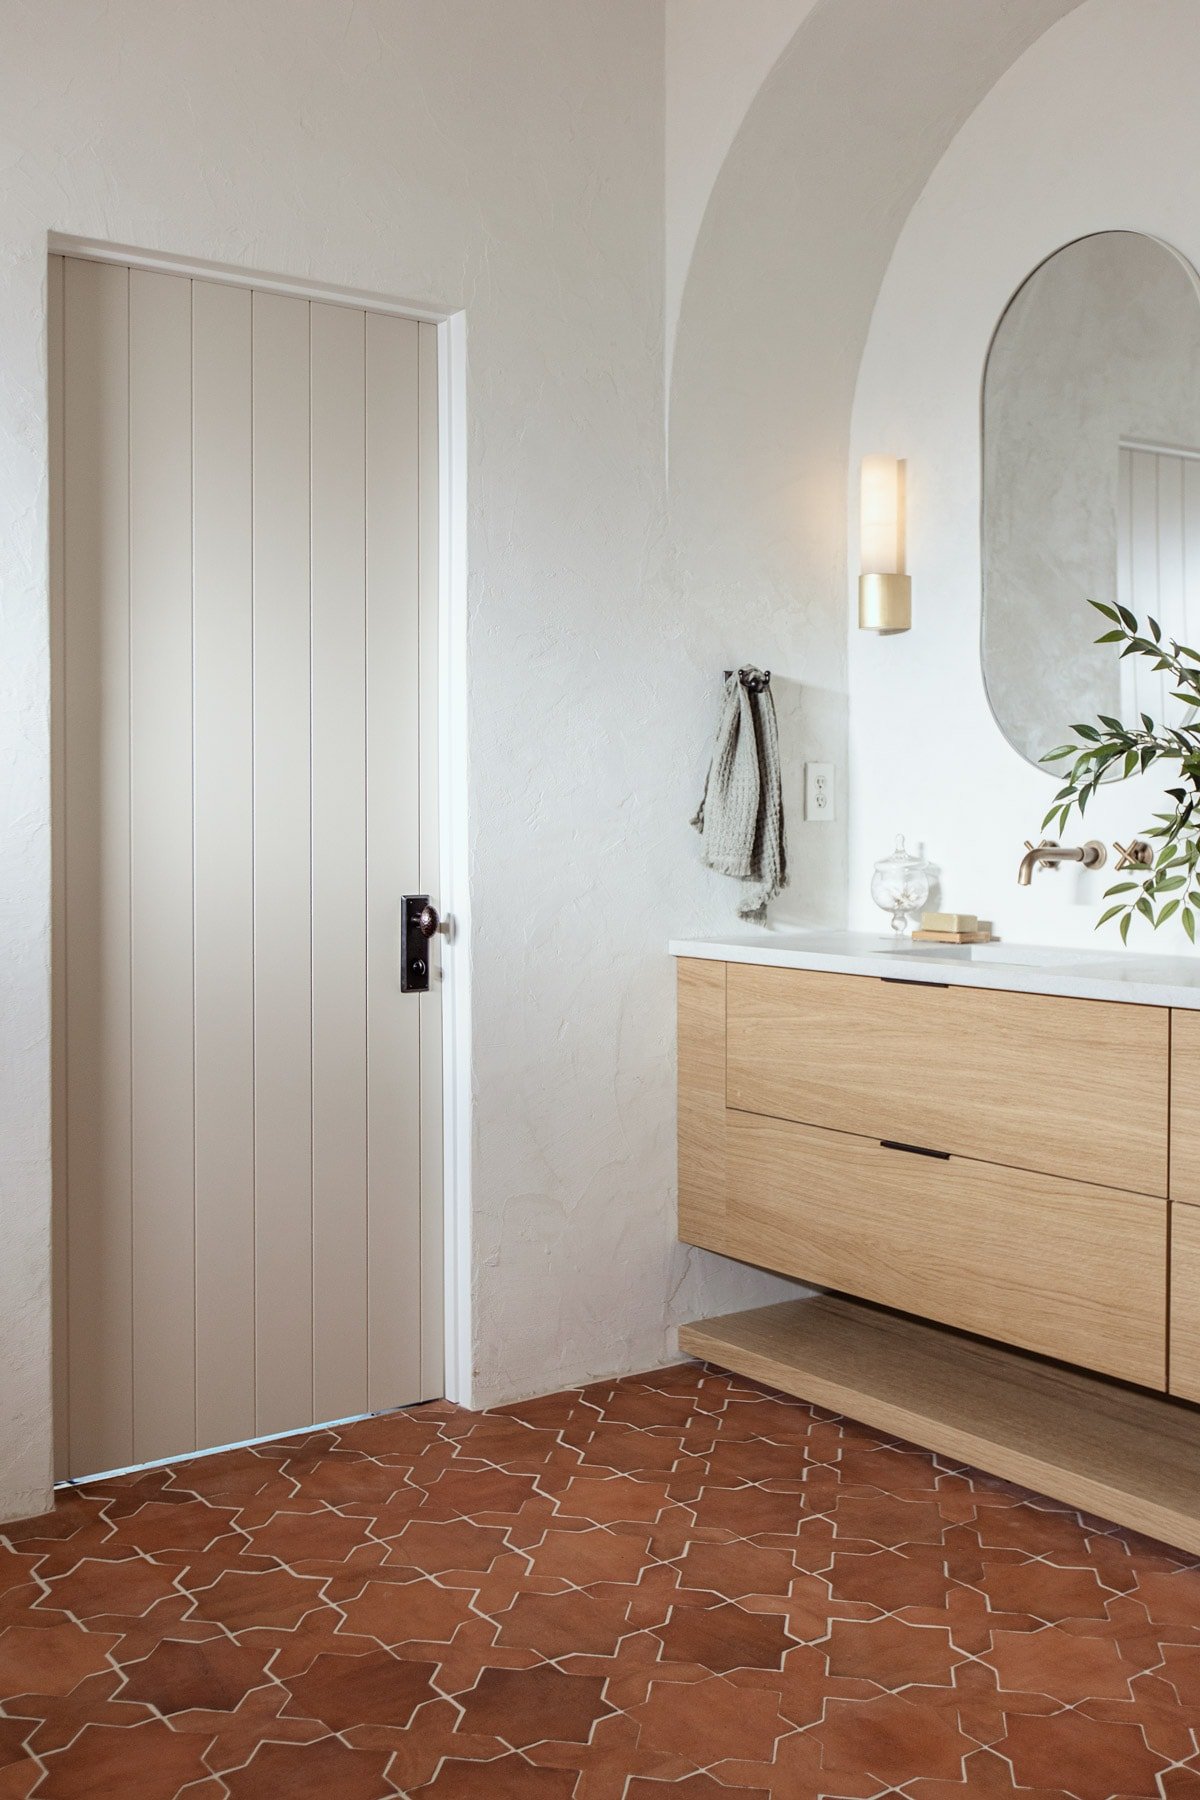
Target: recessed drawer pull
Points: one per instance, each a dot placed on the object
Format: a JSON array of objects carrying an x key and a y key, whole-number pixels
[
  {"x": 914, "y": 1149},
  {"x": 907, "y": 981}
]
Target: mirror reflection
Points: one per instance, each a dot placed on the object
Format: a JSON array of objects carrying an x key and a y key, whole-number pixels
[{"x": 1091, "y": 481}]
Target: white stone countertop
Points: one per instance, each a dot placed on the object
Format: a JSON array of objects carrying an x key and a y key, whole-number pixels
[{"x": 1133, "y": 977}]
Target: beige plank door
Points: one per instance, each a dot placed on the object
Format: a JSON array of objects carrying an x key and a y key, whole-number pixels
[{"x": 247, "y": 1133}]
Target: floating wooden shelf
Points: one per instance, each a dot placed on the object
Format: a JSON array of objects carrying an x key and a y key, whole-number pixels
[{"x": 1120, "y": 1452}]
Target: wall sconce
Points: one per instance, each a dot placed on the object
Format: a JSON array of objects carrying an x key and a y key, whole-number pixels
[{"x": 884, "y": 590}]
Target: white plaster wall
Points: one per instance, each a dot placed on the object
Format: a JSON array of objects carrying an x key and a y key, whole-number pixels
[
  {"x": 503, "y": 156},
  {"x": 1095, "y": 127},
  {"x": 718, "y": 53}
]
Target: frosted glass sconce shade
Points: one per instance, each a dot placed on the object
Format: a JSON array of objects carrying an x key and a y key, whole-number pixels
[{"x": 884, "y": 590}]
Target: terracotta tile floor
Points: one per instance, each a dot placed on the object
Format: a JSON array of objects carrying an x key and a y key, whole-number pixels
[{"x": 677, "y": 1582}]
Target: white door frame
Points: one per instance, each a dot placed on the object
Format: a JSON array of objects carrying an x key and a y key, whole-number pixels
[{"x": 453, "y": 898}]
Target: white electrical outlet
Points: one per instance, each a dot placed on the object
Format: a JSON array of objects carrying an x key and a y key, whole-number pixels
[{"x": 818, "y": 791}]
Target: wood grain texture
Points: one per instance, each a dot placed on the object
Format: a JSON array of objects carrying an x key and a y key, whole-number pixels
[
  {"x": 1184, "y": 1365},
  {"x": 701, "y": 1051},
  {"x": 1129, "y": 1456},
  {"x": 1069, "y": 1087},
  {"x": 1185, "y": 1106},
  {"x": 1058, "y": 1267}
]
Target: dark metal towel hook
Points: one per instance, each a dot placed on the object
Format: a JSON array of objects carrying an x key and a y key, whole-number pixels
[{"x": 753, "y": 684}]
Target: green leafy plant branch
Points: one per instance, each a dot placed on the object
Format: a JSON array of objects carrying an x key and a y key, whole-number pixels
[{"x": 1117, "y": 751}]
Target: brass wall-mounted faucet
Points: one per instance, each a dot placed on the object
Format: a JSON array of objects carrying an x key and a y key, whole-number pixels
[{"x": 1047, "y": 854}]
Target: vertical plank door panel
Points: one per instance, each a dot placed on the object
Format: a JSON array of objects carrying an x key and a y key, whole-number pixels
[
  {"x": 393, "y": 862},
  {"x": 58, "y": 922},
  {"x": 224, "y": 840},
  {"x": 339, "y": 857},
  {"x": 160, "y": 788},
  {"x": 95, "y": 871},
  {"x": 247, "y": 1110},
  {"x": 282, "y": 892},
  {"x": 432, "y": 1310}
]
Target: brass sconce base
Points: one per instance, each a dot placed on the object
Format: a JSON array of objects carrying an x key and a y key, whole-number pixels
[{"x": 884, "y": 603}]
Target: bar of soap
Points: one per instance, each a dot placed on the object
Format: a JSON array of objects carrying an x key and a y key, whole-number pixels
[{"x": 934, "y": 921}]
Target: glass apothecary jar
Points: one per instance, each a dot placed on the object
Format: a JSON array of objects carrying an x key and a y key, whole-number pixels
[{"x": 900, "y": 884}]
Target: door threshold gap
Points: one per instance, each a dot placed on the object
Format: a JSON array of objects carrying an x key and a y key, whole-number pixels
[{"x": 270, "y": 1437}]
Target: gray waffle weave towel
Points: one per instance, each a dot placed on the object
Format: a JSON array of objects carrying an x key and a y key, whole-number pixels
[{"x": 740, "y": 818}]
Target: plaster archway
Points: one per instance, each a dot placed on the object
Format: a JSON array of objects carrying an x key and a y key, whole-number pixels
[{"x": 797, "y": 235}]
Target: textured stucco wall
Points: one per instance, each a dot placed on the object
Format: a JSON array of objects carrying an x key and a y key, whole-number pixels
[
  {"x": 927, "y": 757},
  {"x": 505, "y": 157}
]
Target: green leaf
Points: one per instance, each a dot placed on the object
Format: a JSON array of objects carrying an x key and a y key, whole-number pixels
[
  {"x": 1189, "y": 922},
  {"x": 1110, "y": 914},
  {"x": 1127, "y": 618},
  {"x": 1165, "y": 914},
  {"x": 1110, "y": 637},
  {"x": 1155, "y": 630},
  {"x": 1087, "y": 731},
  {"x": 1113, "y": 724},
  {"x": 1108, "y": 611},
  {"x": 1125, "y": 928},
  {"x": 1144, "y": 907},
  {"x": 1122, "y": 887}
]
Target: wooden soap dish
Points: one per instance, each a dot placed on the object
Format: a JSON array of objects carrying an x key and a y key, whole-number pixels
[{"x": 953, "y": 937}]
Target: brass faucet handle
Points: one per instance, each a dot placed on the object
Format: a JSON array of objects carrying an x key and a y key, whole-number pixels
[
  {"x": 1046, "y": 844},
  {"x": 1136, "y": 854}
]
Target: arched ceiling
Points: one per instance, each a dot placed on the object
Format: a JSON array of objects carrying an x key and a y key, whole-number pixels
[
  {"x": 718, "y": 54},
  {"x": 835, "y": 147}
]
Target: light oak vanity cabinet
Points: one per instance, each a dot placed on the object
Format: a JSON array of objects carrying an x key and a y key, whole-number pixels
[
  {"x": 1014, "y": 1176},
  {"x": 1184, "y": 1354}
]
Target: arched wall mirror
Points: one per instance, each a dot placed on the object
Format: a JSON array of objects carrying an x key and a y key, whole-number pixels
[{"x": 1091, "y": 481}]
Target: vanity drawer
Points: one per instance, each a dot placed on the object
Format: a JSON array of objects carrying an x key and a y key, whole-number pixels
[
  {"x": 1058, "y": 1267},
  {"x": 1070, "y": 1087},
  {"x": 1185, "y": 1302}
]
